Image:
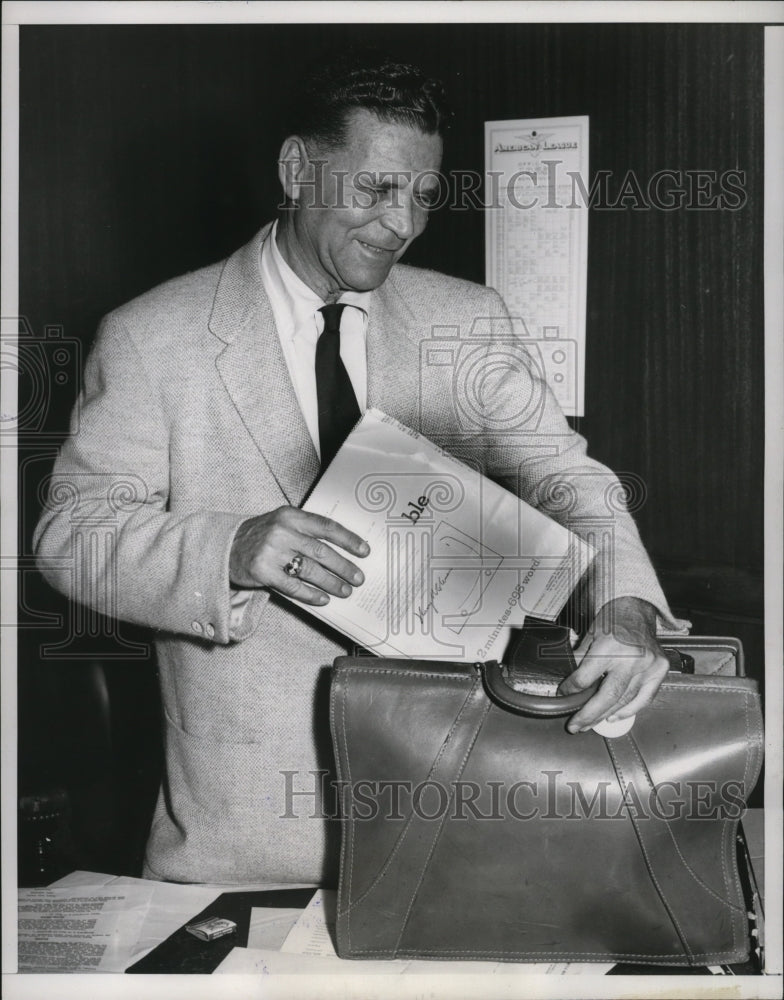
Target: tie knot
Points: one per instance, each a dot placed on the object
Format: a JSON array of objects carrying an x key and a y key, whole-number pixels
[{"x": 332, "y": 314}]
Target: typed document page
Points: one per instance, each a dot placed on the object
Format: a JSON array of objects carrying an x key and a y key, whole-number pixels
[
  {"x": 82, "y": 929},
  {"x": 536, "y": 241},
  {"x": 455, "y": 559}
]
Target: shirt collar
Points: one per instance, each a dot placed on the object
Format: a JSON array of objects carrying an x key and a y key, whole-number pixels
[{"x": 302, "y": 302}]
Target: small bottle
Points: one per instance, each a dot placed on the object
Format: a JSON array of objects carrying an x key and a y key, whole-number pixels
[{"x": 45, "y": 841}]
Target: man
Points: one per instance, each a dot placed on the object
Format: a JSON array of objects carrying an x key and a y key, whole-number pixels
[{"x": 203, "y": 427}]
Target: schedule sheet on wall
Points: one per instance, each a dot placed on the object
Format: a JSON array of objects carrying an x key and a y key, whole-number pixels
[{"x": 536, "y": 241}]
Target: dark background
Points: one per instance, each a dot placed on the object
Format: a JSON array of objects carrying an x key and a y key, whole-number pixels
[{"x": 149, "y": 151}]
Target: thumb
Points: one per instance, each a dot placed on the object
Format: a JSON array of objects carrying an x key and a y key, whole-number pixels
[
  {"x": 583, "y": 677},
  {"x": 574, "y": 682},
  {"x": 582, "y": 647}
]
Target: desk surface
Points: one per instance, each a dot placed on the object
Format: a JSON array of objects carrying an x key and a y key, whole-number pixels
[{"x": 161, "y": 909}]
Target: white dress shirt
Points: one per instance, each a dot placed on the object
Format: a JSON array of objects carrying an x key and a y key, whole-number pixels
[{"x": 295, "y": 308}]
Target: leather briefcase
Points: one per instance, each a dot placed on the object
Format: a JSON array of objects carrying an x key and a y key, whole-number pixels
[{"x": 475, "y": 827}]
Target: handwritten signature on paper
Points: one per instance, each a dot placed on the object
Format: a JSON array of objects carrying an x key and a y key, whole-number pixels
[{"x": 435, "y": 590}]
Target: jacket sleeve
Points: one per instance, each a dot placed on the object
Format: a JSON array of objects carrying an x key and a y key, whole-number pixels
[
  {"x": 106, "y": 537},
  {"x": 530, "y": 448}
]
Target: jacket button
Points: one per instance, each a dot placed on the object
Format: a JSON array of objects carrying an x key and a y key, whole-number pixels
[
  {"x": 196, "y": 626},
  {"x": 210, "y": 631}
]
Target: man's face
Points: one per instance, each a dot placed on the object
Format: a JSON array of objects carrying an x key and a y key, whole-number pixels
[{"x": 369, "y": 205}]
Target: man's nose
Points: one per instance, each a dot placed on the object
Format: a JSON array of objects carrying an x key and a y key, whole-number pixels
[{"x": 400, "y": 219}]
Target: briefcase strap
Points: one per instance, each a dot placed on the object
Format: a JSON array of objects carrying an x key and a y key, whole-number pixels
[{"x": 686, "y": 895}]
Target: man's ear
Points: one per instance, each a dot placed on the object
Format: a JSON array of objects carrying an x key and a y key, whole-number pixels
[{"x": 292, "y": 166}]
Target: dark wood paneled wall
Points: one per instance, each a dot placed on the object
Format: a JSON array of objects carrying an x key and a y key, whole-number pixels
[{"x": 148, "y": 151}]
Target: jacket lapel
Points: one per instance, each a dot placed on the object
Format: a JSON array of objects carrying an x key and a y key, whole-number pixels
[
  {"x": 393, "y": 356},
  {"x": 254, "y": 372}
]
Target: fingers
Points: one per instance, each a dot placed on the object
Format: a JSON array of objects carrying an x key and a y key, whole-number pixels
[
  {"x": 628, "y": 686},
  {"x": 323, "y": 527},
  {"x": 324, "y": 562},
  {"x": 315, "y": 590},
  {"x": 313, "y": 584},
  {"x": 644, "y": 697},
  {"x": 613, "y": 694},
  {"x": 315, "y": 575},
  {"x": 324, "y": 568},
  {"x": 300, "y": 591},
  {"x": 266, "y": 544},
  {"x": 584, "y": 676}
]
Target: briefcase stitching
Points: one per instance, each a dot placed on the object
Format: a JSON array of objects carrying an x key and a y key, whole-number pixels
[
  {"x": 466, "y": 755},
  {"x": 754, "y": 747},
  {"x": 406, "y": 672},
  {"x": 351, "y": 823},
  {"x": 694, "y": 875},
  {"x": 755, "y": 751},
  {"x": 352, "y": 903},
  {"x": 728, "y": 841},
  {"x": 671, "y": 684},
  {"x": 709, "y": 957},
  {"x": 346, "y": 671},
  {"x": 344, "y": 769},
  {"x": 648, "y": 862}
]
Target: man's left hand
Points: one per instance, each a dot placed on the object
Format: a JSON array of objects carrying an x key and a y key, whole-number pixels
[{"x": 622, "y": 646}]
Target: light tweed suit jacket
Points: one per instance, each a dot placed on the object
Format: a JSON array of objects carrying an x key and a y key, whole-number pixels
[{"x": 188, "y": 424}]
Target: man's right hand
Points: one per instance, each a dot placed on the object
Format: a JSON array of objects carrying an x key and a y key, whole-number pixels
[{"x": 265, "y": 544}]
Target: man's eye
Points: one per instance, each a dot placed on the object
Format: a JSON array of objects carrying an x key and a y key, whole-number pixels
[
  {"x": 427, "y": 200},
  {"x": 375, "y": 191}
]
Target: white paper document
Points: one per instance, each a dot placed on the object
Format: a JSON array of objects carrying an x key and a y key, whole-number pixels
[
  {"x": 270, "y": 926},
  {"x": 85, "y": 929},
  {"x": 136, "y": 916},
  {"x": 314, "y": 932},
  {"x": 455, "y": 559},
  {"x": 536, "y": 241},
  {"x": 132, "y": 916}
]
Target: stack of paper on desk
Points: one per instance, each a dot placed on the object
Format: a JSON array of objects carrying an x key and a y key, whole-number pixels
[{"x": 454, "y": 559}]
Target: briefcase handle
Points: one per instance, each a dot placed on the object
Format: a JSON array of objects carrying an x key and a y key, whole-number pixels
[
  {"x": 544, "y": 649},
  {"x": 529, "y": 704}
]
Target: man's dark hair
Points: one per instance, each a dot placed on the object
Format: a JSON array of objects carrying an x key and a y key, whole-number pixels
[{"x": 366, "y": 78}]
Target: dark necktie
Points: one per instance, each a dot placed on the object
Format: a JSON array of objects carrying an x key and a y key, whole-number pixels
[{"x": 337, "y": 405}]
